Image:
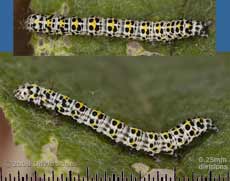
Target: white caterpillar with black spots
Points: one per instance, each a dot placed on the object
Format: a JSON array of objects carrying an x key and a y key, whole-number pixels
[
  {"x": 163, "y": 31},
  {"x": 150, "y": 142}
]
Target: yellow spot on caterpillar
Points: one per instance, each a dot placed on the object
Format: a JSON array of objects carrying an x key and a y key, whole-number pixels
[
  {"x": 158, "y": 27},
  {"x": 61, "y": 23},
  {"x": 65, "y": 97},
  {"x": 32, "y": 96},
  {"x": 34, "y": 85},
  {"x": 118, "y": 121},
  {"x": 81, "y": 104},
  {"x": 187, "y": 122},
  {"x": 98, "y": 112},
  {"x": 145, "y": 27},
  {"x": 151, "y": 134},
  {"x": 75, "y": 23},
  {"x": 48, "y": 22},
  {"x": 94, "y": 23},
  {"x": 165, "y": 134},
  {"x": 176, "y": 129},
  {"x": 93, "y": 124},
  {"x": 44, "y": 100},
  {"x": 59, "y": 106},
  {"x": 131, "y": 142},
  {"x": 36, "y": 21},
  {"x": 134, "y": 130},
  {"x": 112, "y": 24},
  {"x": 49, "y": 91},
  {"x": 128, "y": 25},
  {"x": 188, "y": 25},
  {"x": 179, "y": 25}
]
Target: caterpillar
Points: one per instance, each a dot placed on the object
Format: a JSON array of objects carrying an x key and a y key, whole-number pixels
[
  {"x": 162, "y": 31},
  {"x": 151, "y": 142}
]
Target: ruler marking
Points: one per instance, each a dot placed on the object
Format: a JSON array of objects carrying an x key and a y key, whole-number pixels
[
  {"x": 18, "y": 175},
  {"x": 0, "y": 174}
]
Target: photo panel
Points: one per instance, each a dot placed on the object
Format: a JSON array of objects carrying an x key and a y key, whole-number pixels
[
  {"x": 115, "y": 28},
  {"x": 118, "y": 115}
]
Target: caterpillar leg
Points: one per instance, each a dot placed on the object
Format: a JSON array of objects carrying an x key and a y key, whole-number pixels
[
  {"x": 156, "y": 158},
  {"x": 214, "y": 128},
  {"x": 75, "y": 123},
  {"x": 177, "y": 156},
  {"x": 153, "y": 43},
  {"x": 208, "y": 23},
  {"x": 174, "y": 154},
  {"x": 171, "y": 47},
  {"x": 171, "y": 153},
  {"x": 170, "y": 42},
  {"x": 55, "y": 37},
  {"x": 132, "y": 151}
]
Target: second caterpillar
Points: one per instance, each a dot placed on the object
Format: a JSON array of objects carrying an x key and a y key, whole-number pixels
[{"x": 147, "y": 141}]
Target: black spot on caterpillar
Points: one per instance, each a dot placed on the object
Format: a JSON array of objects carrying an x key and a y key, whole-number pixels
[
  {"x": 150, "y": 142},
  {"x": 163, "y": 31}
]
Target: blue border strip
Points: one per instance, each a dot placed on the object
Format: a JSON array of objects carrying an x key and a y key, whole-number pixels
[
  {"x": 223, "y": 25},
  {"x": 6, "y": 26}
]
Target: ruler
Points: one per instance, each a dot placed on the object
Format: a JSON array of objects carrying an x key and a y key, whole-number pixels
[{"x": 112, "y": 177}]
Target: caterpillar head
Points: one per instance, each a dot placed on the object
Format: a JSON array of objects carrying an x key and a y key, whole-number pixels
[
  {"x": 203, "y": 124},
  {"x": 32, "y": 22},
  {"x": 25, "y": 91}
]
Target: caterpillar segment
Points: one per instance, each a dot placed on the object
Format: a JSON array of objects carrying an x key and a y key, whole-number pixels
[
  {"x": 162, "y": 31},
  {"x": 151, "y": 142}
]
